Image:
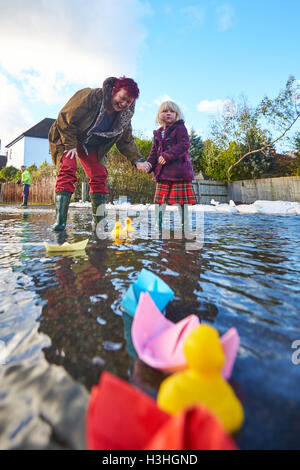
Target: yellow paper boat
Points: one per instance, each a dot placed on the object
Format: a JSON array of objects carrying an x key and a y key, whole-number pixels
[{"x": 67, "y": 246}]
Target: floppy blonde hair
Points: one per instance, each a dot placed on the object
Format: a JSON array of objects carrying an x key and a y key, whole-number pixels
[{"x": 169, "y": 106}]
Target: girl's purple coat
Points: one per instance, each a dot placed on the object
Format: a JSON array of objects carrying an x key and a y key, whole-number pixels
[{"x": 174, "y": 148}]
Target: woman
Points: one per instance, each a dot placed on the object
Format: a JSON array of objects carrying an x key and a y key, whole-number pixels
[{"x": 87, "y": 127}]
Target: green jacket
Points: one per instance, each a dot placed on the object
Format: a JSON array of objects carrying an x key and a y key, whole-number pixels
[
  {"x": 26, "y": 178},
  {"x": 82, "y": 114}
]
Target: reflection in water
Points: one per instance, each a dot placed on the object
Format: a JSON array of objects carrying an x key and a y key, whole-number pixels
[{"x": 246, "y": 275}]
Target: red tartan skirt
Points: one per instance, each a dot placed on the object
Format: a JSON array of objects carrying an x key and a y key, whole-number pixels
[{"x": 175, "y": 192}]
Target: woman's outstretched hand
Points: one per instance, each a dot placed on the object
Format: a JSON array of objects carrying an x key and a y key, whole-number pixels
[
  {"x": 71, "y": 153},
  {"x": 145, "y": 167},
  {"x": 140, "y": 166}
]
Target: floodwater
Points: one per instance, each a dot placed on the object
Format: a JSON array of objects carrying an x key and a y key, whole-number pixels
[{"x": 61, "y": 323}]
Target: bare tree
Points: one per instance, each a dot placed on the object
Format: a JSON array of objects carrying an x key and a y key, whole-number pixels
[{"x": 282, "y": 113}]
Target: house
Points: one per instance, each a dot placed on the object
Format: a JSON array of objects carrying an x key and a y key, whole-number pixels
[
  {"x": 293, "y": 153},
  {"x": 31, "y": 147},
  {"x": 3, "y": 160}
]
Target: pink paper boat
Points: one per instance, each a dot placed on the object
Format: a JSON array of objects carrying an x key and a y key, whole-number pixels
[
  {"x": 231, "y": 343},
  {"x": 159, "y": 342}
]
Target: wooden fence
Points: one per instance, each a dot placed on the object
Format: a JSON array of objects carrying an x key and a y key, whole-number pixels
[
  {"x": 41, "y": 192},
  {"x": 286, "y": 188},
  {"x": 206, "y": 190}
]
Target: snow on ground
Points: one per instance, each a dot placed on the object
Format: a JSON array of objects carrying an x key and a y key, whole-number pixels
[
  {"x": 10, "y": 209},
  {"x": 258, "y": 207}
]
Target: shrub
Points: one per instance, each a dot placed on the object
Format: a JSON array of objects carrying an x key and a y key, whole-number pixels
[
  {"x": 283, "y": 165},
  {"x": 215, "y": 162},
  {"x": 9, "y": 173},
  {"x": 45, "y": 170},
  {"x": 195, "y": 150},
  {"x": 81, "y": 178},
  {"x": 33, "y": 167},
  {"x": 124, "y": 179},
  {"x": 144, "y": 146}
]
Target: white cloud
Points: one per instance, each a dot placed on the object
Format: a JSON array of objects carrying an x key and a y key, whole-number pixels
[
  {"x": 199, "y": 131},
  {"x": 194, "y": 15},
  {"x": 143, "y": 106},
  {"x": 143, "y": 133},
  {"x": 168, "y": 9},
  {"x": 162, "y": 98},
  {"x": 14, "y": 117},
  {"x": 52, "y": 44},
  {"x": 225, "y": 16},
  {"x": 229, "y": 109},
  {"x": 166, "y": 97},
  {"x": 210, "y": 107},
  {"x": 53, "y": 47},
  {"x": 216, "y": 106}
]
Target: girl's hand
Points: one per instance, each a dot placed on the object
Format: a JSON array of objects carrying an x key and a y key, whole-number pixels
[
  {"x": 161, "y": 160},
  {"x": 71, "y": 153}
]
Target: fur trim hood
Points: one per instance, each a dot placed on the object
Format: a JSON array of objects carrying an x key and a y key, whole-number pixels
[{"x": 123, "y": 118}]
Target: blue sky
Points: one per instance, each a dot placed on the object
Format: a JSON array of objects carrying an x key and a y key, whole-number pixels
[{"x": 198, "y": 53}]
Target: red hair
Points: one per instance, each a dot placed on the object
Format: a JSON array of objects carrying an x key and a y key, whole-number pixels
[{"x": 129, "y": 85}]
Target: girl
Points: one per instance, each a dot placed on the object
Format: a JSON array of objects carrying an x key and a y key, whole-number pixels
[{"x": 170, "y": 162}]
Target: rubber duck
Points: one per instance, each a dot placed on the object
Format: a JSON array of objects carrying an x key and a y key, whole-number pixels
[
  {"x": 117, "y": 232},
  {"x": 202, "y": 383},
  {"x": 128, "y": 228}
]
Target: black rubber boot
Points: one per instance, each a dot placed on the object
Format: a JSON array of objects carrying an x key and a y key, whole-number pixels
[
  {"x": 159, "y": 213},
  {"x": 98, "y": 207},
  {"x": 25, "y": 198},
  {"x": 60, "y": 237},
  {"x": 62, "y": 201},
  {"x": 182, "y": 217}
]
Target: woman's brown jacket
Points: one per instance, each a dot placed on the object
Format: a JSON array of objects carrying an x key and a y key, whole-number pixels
[{"x": 82, "y": 113}]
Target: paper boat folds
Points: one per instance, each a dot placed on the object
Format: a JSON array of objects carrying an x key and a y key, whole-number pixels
[
  {"x": 160, "y": 292},
  {"x": 160, "y": 342}
]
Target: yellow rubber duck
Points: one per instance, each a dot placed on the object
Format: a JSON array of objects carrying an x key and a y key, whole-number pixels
[
  {"x": 117, "y": 232},
  {"x": 202, "y": 382},
  {"x": 128, "y": 228}
]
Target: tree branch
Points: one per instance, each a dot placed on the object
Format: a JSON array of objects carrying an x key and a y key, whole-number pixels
[{"x": 262, "y": 149}]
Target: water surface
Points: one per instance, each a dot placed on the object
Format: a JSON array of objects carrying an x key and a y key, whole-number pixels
[{"x": 61, "y": 322}]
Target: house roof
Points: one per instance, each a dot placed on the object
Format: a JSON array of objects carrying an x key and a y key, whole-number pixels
[
  {"x": 3, "y": 161},
  {"x": 40, "y": 130}
]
